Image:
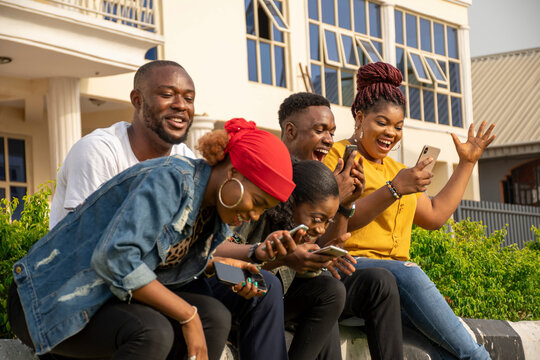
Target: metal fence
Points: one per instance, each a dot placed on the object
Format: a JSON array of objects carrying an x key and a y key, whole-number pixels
[
  {"x": 136, "y": 13},
  {"x": 496, "y": 216}
]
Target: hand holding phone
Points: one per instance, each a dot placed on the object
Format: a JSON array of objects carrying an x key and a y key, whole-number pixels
[
  {"x": 348, "y": 151},
  {"x": 232, "y": 275},
  {"x": 429, "y": 151},
  {"x": 331, "y": 250},
  {"x": 291, "y": 233}
]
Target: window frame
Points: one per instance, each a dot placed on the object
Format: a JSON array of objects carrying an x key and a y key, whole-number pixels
[
  {"x": 346, "y": 64},
  {"x": 325, "y": 48},
  {"x": 359, "y": 41},
  {"x": 427, "y": 79},
  {"x": 264, "y": 4}
]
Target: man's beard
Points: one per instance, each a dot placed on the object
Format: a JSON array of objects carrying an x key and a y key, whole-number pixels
[{"x": 155, "y": 124}]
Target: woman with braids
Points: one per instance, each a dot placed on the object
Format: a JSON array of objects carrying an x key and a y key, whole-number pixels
[
  {"x": 394, "y": 199},
  {"x": 122, "y": 276}
]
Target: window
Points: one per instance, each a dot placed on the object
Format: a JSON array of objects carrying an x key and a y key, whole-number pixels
[
  {"x": 522, "y": 185},
  {"x": 343, "y": 35},
  {"x": 13, "y": 174},
  {"x": 266, "y": 32},
  {"x": 427, "y": 55}
]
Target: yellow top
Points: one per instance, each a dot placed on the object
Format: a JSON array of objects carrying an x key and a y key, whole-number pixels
[{"x": 388, "y": 236}]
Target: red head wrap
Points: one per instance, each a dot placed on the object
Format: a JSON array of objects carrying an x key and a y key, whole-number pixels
[{"x": 261, "y": 157}]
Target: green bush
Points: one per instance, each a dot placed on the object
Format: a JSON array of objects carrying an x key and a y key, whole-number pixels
[
  {"x": 478, "y": 277},
  {"x": 17, "y": 237}
]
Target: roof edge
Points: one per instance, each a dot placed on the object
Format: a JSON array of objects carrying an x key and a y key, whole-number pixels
[{"x": 503, "y": 54}]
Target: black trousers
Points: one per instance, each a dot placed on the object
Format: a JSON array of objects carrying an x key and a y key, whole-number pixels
[
  {"x": 314, "y": 305},
  {"x": 372, "y": 294},
  {"x": 132, "y": 331}
]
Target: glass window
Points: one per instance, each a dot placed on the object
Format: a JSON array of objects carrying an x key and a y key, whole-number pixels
[
  {"x": 349, "y": 52},
  {"x": 454, "y": 77},
  {"x": 266, "y": 63},
  {"x": 452, "y": 42},
  {"x": 400, "y": 60},
  {"x": 151, "y": 54},
  {"x": 435, "y": 70},
  {"x": 331, "y": 47},
  {"x": 425, "y": 34},
  {"x": 344, "y": 14},
  {"x": 369, "y": 50},
  {"x": 442, "y": 109},
  {"x": 2, "y": 161},
  {"x": 347, "y": 87},
  {"x": 250, "y": 17},
  {"x": 274, "y": 13},
  {"x": 438, "y": 33},
  {"x": 252, "y": 60},
  {"x": 17, "y": 160},
  {"x": 279, "y": 54},
  {"x": 429, "y": 106},
  {"x": 360, "y": 16},
  {"x": 331, "y": 85},
  {"x": 314, "y": 42},
  {"x": 17, "y": 192},
  {"x": 375, "y": 20},
  {"x": 316, "y": 78},
  {"x": 313, "y": 10},
  {"x": 457, "y": 120},
  {"x": 414, "y": 103},
  {"x": 399, "y": 26},
  {"x": 419, "y": 68},
  {"x": 412, "y": 38},
  {"x": 328, "y": 12},
  {"x": 2, "y": 193}
]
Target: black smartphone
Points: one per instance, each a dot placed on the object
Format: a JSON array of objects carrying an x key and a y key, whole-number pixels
[
  {"x": 348, "y": 151},
  {"x": 232, "y": 275},
  {"x": 291, "y": 232}
]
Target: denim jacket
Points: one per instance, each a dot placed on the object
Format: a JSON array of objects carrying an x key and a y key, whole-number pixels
[{"x": 112, "y": 244}]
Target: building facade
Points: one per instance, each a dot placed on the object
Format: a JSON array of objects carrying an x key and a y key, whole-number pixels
[{"x": 72, "y": 64}]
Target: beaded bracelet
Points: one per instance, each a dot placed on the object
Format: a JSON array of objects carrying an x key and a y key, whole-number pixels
[
  {"x": 393, "y": 190},
  {"x": 184, "y": 322}
]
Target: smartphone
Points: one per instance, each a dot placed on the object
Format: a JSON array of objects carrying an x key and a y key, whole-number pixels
[
  {"x": 291, "y": 232},
  {"x": 429, "y": 151},
  {"x": 331, "y": 251},
  {"x": 232, "y": 275},
  {"x": 348, "y": 151}
]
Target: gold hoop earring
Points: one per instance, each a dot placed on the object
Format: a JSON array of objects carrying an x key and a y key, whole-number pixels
[{"x": 241, "y": 193}]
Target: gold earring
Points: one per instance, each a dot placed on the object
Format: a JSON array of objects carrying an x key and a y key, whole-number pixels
[{"x": 241, "y": 193}]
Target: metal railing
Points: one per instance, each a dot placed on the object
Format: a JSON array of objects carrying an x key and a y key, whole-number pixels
[
  {"x": 496, "y": 216},
  {"x": 140, "y": 14}
]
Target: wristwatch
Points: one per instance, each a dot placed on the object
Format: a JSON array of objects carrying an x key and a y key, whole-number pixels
[
  {"x": 348, "y": 213},
  {"x": 251, "y": 253}
]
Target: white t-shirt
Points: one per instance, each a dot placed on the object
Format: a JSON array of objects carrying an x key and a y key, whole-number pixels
[{"x": 92, "y": 161}]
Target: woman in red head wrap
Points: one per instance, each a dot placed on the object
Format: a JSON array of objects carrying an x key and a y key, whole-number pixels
[
  {"x": 394, "y": 199},
  {"x": 129, "y": 283}
]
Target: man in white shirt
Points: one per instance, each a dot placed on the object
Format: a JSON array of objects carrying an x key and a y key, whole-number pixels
[{"x": 163, "y": 97}]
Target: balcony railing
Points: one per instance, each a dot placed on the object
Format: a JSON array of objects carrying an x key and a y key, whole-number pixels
[{"x": 140, "y": 14}]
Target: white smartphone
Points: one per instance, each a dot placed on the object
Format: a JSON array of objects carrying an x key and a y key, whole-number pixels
[
  {"x": 291, "y": 232},
  {"x": 429, "y": 151},
  {"x": 331, "y": 251}
]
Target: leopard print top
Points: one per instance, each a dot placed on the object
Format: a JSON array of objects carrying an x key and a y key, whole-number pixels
[{"x": 204, "y": 225}]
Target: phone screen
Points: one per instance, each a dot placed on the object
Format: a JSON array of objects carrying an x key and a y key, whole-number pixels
[{"x": 232, "y": 275}]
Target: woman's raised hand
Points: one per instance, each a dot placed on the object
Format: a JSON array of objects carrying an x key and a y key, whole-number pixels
[{"x": 472, "y": 149}]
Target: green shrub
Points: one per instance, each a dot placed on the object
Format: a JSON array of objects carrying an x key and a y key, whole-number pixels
[
  {"x": 478, "y": 277},
  {"x": 17, "y": 237}
]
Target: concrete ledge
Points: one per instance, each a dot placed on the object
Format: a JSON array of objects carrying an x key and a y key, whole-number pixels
[{"x": 503, "y": 339}]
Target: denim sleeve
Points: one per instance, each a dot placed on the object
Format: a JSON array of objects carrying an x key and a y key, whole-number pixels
[{"x": 121, "y": 255}]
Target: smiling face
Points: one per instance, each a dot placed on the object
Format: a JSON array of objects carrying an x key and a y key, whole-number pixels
[
  {"x": 316, "y": 216},
  {"x": 165, "y": 103},
  {"x": 254, "y": 202},
  {"x": 382, "y": 128},
  {"x": 309, "y": 133}
]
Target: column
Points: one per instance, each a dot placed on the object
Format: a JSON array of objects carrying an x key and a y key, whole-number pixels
[
  {"x": 388, "y": 32},
  {"x": 64, "y": 118},
  {"x": 466, "y": 73},
  {"x": 202, "y": 124}
]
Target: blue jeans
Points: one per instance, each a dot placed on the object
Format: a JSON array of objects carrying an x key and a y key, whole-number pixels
[{"x": 427, "y": 309}]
